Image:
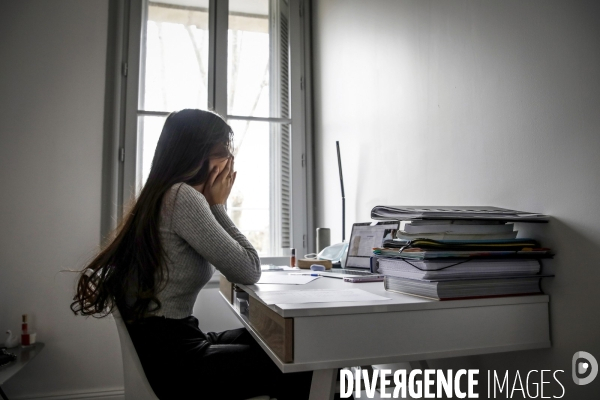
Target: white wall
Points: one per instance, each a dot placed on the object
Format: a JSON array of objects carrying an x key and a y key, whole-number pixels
[
  {"x": 52, "y": 85},
  {"x": 471, "y": 103}
]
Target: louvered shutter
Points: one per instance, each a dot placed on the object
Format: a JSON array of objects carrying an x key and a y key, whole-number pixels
[{"x": 280, "y": 133}]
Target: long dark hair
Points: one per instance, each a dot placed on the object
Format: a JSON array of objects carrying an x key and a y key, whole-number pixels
[{"x": 129, "y": 271}]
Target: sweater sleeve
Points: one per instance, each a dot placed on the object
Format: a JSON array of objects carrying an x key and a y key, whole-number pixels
[{"x": 210, "y": 232}]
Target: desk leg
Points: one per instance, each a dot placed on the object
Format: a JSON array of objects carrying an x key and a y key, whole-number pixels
[
  {"x": 323, "y": 384},
  {"x": 2, "y": 394}
]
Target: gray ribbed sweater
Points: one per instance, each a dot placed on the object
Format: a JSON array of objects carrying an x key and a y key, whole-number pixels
[{"x": 195, "y": 235}]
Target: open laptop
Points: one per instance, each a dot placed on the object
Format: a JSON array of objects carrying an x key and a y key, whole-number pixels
[{"x": 365, "y": 236}]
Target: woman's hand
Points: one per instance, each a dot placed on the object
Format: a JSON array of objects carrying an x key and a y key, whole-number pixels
[{"x": 218, "y": 185}]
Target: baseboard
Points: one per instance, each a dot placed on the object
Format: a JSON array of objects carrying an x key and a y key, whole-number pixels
[{"x": 97, "y": 395}]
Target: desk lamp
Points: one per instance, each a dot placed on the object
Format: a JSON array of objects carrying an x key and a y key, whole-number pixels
[{"x": 338, "y": 252}]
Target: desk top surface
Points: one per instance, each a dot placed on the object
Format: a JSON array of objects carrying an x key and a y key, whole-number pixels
[
  {"x": 24, "y": 355},
  {"x": 397, "y": 302}
]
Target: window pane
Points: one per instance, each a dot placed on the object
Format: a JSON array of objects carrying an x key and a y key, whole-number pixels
[
  {"x": 174, "y": 71},
  {"x": 258, "y": 59},
  {"x": 149, "y": 128},
  {"x": 249, "y": 201}
]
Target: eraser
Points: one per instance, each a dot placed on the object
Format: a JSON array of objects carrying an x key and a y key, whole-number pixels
[{"x": 317, "y": 267}]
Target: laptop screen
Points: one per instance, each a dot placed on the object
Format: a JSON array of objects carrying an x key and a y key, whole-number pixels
[{"x": 365, "y": 236}]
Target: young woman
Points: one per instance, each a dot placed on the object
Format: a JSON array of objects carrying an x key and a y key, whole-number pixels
[{"x": 166, "y": 250}]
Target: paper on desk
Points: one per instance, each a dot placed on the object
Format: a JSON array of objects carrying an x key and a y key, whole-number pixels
[
  {"x": 286, "y": 279},
  {"x": 271, "y": 267},
  {"x": 317, "y": 296}
]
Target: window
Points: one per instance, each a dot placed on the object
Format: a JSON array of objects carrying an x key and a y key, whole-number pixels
[{"x": 243, "y": 59}]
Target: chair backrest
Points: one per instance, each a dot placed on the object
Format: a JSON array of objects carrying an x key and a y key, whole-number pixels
[{"x": 136, "y": 384}]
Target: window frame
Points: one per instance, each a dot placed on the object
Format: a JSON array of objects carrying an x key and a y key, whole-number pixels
[{"x": 122, "y": 161}]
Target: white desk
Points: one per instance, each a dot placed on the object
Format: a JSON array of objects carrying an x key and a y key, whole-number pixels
[{"x": 322, "y": 337}]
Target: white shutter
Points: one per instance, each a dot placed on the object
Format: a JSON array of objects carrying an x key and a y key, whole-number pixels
[
  {"x": 281, "y": 204},
  {"x": 286, "y": 216}
]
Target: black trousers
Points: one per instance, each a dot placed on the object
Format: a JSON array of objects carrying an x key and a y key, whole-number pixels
[{"x": 182, "y": 362}]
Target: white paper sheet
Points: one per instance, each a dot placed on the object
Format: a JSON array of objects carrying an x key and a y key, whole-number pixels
[
  {"x": 317, "y": 296},
  {"x": 275, "y": 268},
  {"x": 286, "y": 279}
]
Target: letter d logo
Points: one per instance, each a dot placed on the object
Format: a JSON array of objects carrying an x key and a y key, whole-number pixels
[{"x": 582, "y": 367}]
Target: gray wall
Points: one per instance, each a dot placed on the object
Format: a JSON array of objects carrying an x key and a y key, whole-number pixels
[
  {"x": 52, "y": 84},
  {"x": 471, "y": 103}
]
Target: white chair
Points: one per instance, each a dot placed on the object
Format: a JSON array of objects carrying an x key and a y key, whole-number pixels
[
  {"x": 136, "y": 385},
  {"x": 135, "y": 382}
]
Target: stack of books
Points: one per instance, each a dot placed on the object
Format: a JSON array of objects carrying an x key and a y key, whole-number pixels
[{"x": 461, "y": 254}]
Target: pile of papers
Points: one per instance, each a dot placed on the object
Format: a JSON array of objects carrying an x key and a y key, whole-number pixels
[{"x": 457, "y": 252}]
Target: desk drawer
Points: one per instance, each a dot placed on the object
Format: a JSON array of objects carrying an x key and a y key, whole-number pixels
[
  {"x": 277, "y": 332},
  {"x": 226, "y": 288}
]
